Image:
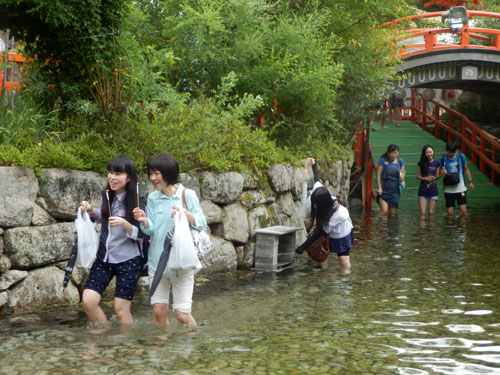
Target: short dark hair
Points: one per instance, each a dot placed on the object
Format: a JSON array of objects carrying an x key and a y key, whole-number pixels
[
  {"x": 452, "y": 146},
  {"x": 167, "y": 166}
]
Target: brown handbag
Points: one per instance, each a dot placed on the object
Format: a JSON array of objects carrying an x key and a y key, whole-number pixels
[{"x": 319, "y": 249}]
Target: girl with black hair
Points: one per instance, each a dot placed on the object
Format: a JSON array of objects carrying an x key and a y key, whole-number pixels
[
  {"x": 156, "y": 222},
  {"x": 390, "y": 176},
  {"x": 120, "y": 245},
  {"x": 331, "y": 218},
  {"x": 427, "y": 173}
]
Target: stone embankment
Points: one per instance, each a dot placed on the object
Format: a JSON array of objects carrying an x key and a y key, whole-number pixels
[{"x": 37, "y": 229}]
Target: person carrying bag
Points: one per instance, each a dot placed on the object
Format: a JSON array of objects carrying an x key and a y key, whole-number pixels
[
  {"x": 332, "y": 219},
  {"x": 454, "y": 167},
  {"x": 165, "y": 211}
]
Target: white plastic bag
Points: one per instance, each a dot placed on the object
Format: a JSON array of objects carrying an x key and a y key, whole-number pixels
[
  {"x": 88, "y": 240},
  {"x": 183, "y": 254}
]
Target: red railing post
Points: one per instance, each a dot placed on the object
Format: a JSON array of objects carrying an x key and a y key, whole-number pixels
[
  {"x": 424, "y": 114},
  {"x": 436, "y": 114},
  {"x": 369, "y": 186},
  {"x": 473, "y": 140},
  {"x": 494, "y": 157},
  {"x": 464, "y": 135},
  {"x": 482, "y": 148},
  {"x": 413, "y": 111}
]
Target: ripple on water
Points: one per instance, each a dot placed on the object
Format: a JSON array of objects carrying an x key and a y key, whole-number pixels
[
  {"x": 471, "y": 328},
  {"x": 410, "y": 371},
  {"x": 465, "y": 369},
  {"x": 447, "y": 342},
  {"x": 491, "y": 358},
  {"x": 452, "y": 311},
  {"x": 478, "y": 312}
]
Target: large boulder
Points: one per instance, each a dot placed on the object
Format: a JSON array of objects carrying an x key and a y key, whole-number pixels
[
  {"x": 286, "y": 203},
  {"x": 19, "y": 188},
  {"x": 41, "y": 288},
  {"x": 259, "y": 218},
  {"x": 5, "y": 263},
  {"x": 245, "y": 255},
  {"x": 41, "y": 217},
  {"x": 281, "y": 177},
  {"x": 234, "y": 226},
  {"x": 10, "y": 278},
  {"x": 222, "y": 259},
  {"x": 252, "y": 198},
  {"x": 29, "y": 247},
  {"x": 223, "y": 188},
  {"x": 190, "y": 182},
  {"x": 64, "y": 189},
  {"x": 212, "y": 212},
  {"x": 4, "y": 297}
]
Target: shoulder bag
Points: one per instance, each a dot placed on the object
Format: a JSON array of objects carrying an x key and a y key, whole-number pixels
[
  {"x": 320, "y": 249},
  {"x": 201, "y": 238},
  {"x": 451, "y": 179}
]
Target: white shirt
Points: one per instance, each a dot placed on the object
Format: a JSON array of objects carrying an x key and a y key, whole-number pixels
[{"x": 339, "y": 225}]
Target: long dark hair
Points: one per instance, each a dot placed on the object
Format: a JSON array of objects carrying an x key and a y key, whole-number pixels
[
  {"x": 390, "y": 148},
  {"x": 424, "y": 162},
  {"x": 322, "y": 206},
  {"x": 122, "y": 164}
]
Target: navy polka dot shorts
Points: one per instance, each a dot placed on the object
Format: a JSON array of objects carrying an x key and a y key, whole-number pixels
[{"x": 127, "y": 276}]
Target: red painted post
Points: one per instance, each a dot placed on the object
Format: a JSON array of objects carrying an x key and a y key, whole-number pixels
[
  {"x": 436, "y": 115},
  {"x": 369, "y": 186},
  {"x": 474, "y": 151},
  {"x": 464, "y": 135},
  {"x": 413, "y": 111},
  {"x": 481, "y": 162},
  {"x": 450, "y": 125},
  {"x": 494, "y": 157},
  {"x": 424, "y": 114}
]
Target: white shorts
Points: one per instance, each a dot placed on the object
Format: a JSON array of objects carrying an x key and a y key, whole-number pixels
[{"x": 182, "y": 283}]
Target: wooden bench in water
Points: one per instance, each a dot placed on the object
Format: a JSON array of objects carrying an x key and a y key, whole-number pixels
[{"x": 275, "y": 248}]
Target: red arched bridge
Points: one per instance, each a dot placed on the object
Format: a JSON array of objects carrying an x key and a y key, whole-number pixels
[
  {"x": 462, "y": 57},
  {"x": 467, "y": 58}
]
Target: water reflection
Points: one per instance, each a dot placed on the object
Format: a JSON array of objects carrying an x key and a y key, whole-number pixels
[{"x": 421, "y": 299}]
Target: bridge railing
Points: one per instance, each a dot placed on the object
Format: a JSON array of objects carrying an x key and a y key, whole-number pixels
[
  {"x": 430, "y": 39},
  {"x": 482, "y": 148}
]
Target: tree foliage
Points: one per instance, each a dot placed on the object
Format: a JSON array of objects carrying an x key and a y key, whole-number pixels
[{"x": 72, "y": 42}]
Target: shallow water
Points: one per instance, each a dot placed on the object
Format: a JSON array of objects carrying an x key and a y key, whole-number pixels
[{"x": 422, "y": 298}]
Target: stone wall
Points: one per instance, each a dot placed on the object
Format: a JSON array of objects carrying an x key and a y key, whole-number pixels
[{"x": 37, "y": 229}]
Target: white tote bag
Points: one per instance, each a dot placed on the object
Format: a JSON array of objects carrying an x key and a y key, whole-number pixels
[
  {"x": 183, "y": 254},
  {"x": 88, "y": 240}
]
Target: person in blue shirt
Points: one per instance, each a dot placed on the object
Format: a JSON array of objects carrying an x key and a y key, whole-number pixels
[
  {"x": 120, "y": 245},
  {"x": 156, "y": 222},
  {"x": 455, "y": 163},
  {"x": 390, "y": 175}
]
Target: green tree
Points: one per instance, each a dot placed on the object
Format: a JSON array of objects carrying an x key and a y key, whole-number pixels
[{"x": 73, "y": 44}]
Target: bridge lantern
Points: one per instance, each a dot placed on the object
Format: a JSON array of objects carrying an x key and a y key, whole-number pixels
[{"x": 456, "y": 18}]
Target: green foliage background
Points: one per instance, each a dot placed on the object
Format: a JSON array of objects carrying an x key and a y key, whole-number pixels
[{"x": 221, "y": 84}]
